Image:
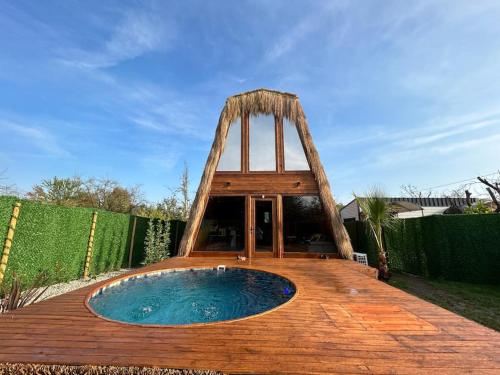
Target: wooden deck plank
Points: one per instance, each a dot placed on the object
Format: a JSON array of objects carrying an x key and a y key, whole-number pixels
[{"x": 342, "y": 321}]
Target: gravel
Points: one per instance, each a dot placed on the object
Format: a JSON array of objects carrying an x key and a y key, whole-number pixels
[{"x": 57, "y": 289}]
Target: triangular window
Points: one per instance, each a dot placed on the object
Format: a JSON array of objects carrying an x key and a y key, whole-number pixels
[
  {"x": 295, "y": 158},
  {"x": 230, "y": 159}
]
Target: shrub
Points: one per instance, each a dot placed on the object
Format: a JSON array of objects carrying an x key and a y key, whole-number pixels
[
  {"x": 54, "y": 238},
  {"x": 452, "y": 247},
  {"x": 157, "y": 241},
  {"x": 14, "y": 298}
]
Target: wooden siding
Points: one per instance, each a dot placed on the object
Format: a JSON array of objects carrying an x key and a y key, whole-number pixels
[
  {"x": 264, "y": 183},
  {"x": 342, "y": 321}
]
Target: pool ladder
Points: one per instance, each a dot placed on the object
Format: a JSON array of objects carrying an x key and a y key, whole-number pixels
[{"x": 221, "y": 268}]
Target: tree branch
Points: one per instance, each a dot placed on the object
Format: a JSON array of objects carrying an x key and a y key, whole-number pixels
[
  {"x": 494, "y": 199},
  {"x": 487, "y": 183},
  {"x": 468, "y": 195}
]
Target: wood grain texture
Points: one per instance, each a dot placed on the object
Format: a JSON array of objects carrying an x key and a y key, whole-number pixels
[
  {"x": 264, "y": 183},
  {"x": 342, "y": 321}
]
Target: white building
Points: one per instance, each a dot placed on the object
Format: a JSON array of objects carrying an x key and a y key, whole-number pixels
[{"x": 408, "y": 207}]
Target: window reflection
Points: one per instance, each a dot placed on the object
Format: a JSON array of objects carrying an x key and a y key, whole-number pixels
[
  {"x": 295, "y": 158},
  {"x": 262, "y": 143},
  {"x": 222, "y": 227},
  {"x": 306, "y": 226},
  {"x": 230, "y": 159}
]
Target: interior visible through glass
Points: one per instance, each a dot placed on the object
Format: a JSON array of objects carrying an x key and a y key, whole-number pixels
[
  {"x": 295, "y": 157},
  {"x": 230, "y": 159},
  {"x": 305, "y": 225},
  {"x": 222, "y": 227},
  {"x": 262, "y": 143},
  {"x": 263, "y": 225}
]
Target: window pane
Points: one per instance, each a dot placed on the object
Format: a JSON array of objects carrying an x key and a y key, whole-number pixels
[
  {"x": 295, "y": 158},
  {"x": 230, "y": 159},
  {"x": 305, "y": 225},
  {"x": 262, "y": 143},
  {"x": 264, "y": 233},
  {"x": 222, "y": 227}
]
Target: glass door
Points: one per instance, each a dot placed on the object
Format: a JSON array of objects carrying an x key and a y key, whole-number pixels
[{"x": 263, "y": 229}]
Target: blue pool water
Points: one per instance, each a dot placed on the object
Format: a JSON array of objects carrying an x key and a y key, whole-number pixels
[{"x": 192, "y": 296}]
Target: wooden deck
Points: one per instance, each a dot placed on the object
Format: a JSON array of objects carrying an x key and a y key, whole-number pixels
[{"x": 342, "y": 321}]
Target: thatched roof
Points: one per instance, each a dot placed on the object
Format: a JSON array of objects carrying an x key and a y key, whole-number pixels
[{"x": 281, "y": 105}]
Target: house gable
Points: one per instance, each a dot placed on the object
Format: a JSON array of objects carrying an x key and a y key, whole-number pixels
[{"x": 268, "y": 179}]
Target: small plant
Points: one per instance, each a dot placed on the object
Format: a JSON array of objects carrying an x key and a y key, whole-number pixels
[
  {"x": 479, "y": 208},
  {"x": 15, "y": 298},
  {"x": 157, "y": 241},
  {"x": 378, "y": 216}
]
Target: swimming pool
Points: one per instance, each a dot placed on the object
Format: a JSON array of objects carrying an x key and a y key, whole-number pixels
[{"x": 190, "y": 296}]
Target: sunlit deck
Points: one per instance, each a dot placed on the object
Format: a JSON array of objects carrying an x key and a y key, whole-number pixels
[{"x": 342, "y": 321}]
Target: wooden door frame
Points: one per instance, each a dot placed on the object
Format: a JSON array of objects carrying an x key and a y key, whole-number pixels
[{"x": 251, "y": 249}]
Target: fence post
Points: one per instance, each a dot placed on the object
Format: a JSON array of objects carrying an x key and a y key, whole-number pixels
[
  {"x": 132, "y": 243},
  {"x": 8, "y": 240},
  {"x": 90, "y": 245}
]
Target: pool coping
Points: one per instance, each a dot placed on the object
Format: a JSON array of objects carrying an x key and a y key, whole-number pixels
[{"x": 119, "y": 280}]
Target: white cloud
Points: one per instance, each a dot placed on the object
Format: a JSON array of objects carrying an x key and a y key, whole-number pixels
[
  {"x": 467, "y": 144},
  {"x": 160, "y": 162},
  {"x": 460, "y": 129},
  {"x": 161, "y": 110},
  {"x": 39, "y": 137},
  {"x": 316, "y": 20},
  {"x": 138, "y": 33}
]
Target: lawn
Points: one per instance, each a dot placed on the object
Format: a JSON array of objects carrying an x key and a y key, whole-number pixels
[{"x": 477, "y": 302}]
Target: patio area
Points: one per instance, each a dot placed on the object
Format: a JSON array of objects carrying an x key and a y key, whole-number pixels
[{"x": 342, "y": 321}]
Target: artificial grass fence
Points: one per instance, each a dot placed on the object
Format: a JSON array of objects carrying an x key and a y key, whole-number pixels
[
  {"x": 54, "y": 239},
  {"x": 451, "y": 247}
]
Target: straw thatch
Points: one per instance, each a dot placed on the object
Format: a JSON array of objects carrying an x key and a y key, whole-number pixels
[
  {"x": 39, "y": 369},
  {"x": 282, "y": 105}
]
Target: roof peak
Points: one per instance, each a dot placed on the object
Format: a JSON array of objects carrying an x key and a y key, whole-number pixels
[{"x": 266, "y": 90}]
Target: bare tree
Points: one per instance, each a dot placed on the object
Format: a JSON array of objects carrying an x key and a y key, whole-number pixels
[
  {"x": 102, "y": 193},
  {"x": 493, "y": 189},
  {"x": 468, "y": 196},
  {"x": 63, "y": 191},
  {"x": 5, "y": 188},
  {"x": 413, "y": 192},
  {"x": 174, "y": 207},
  {"x": 184, "y": 190}
]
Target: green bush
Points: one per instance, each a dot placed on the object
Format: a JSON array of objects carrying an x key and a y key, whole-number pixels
[
  {"x": 362, "y": 241},
  {"x": 404, "y": 244},
  {"x": 452, "y": 247},
  {"x": 51, "y": 238},
  {"x": 111, "y": 242},
  {"x": 157, "y": 241},
  {"x": 54, "y": 239}
]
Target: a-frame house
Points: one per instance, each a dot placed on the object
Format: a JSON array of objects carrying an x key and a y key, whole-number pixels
[{"x": 264, "y": 191}]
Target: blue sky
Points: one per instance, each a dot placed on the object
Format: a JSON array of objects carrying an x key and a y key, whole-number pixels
[{"x": 396, "y": 92}]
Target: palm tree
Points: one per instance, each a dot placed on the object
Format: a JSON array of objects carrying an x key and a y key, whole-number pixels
[{"x": 378, "y": 215}]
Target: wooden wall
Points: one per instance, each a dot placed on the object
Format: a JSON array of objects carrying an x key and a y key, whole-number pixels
[{"x": 227, "y": 183}]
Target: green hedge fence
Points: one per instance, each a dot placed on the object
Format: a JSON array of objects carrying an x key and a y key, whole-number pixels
[
  {"x": 54, "y": 238},
  {"x": 452, "y": 247}
]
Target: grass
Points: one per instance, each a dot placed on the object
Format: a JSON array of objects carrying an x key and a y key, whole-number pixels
[{"x": 477, "y": 302}]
